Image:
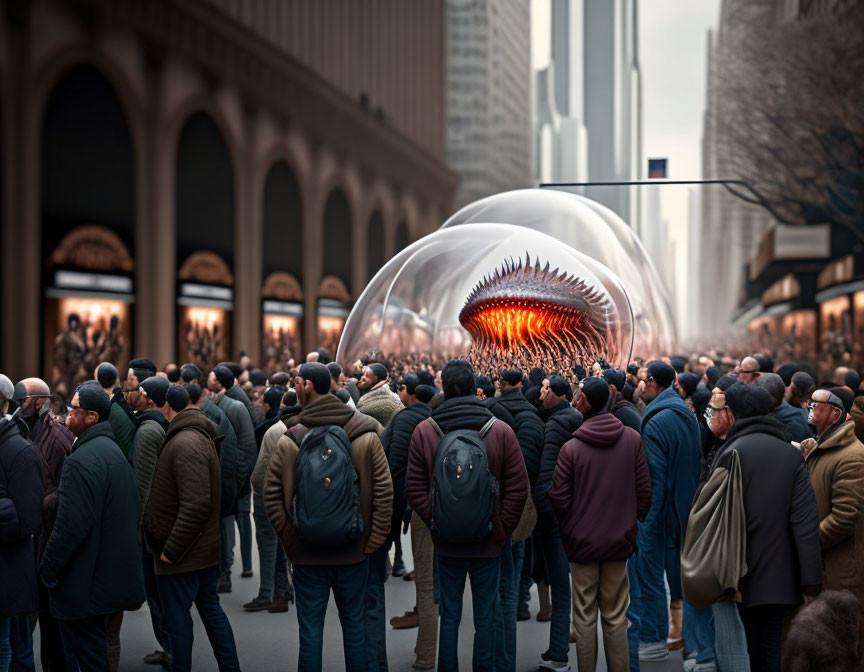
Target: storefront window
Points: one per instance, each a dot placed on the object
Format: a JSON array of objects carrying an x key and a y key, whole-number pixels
[
  {"x": 835, "y": 340},
  {"x": 204, "y": 335}
]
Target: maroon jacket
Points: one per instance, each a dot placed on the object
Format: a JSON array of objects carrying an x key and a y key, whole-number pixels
[
  {"x": 505, "y": 462},
  {"x": 600, "y": 489}
]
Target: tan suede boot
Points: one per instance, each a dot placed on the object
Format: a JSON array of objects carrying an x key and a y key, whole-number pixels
[{"x": 675, "y": 640}]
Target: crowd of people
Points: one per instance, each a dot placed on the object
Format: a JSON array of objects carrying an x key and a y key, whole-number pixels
[{"x": 706, "y": 504}]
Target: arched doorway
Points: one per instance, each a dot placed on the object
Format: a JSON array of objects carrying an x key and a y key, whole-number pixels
[
  {"x": 401, "y": 237},
  {"x": 282, "y": 268},
  {"x": 375, "y": 256},
  {"x": 87, "y": 214},
  {"x": 205, "y": 214},
  {"x": 337, "y": 237}
]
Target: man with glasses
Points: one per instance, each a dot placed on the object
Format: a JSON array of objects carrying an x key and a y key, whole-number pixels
[
  {"x": 781, "y": 536},
  {"x": 835, "y": 461},
  {"x": 748, "y": 372},
  {"x": 88, "y": 580},
  {"x": 54, "y": 443}
]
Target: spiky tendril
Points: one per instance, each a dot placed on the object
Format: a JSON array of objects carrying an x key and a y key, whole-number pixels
[{"x": 527, "y": 315}]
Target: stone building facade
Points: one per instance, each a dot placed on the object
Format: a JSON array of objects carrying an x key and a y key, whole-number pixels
[{"x": 225, "y": 156}]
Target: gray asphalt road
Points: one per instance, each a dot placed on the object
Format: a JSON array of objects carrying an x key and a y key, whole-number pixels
[{"x": 268, "y": 642}]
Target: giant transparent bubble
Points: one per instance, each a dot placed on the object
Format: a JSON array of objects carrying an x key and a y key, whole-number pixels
[
  {"x": 497, "y": 292},
  {"x": 594, "y": 230}
]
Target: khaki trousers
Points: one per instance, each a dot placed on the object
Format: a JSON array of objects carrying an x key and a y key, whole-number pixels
[
  {"x": 603, "y": 586},
  {"x": 427, "y": 611}
]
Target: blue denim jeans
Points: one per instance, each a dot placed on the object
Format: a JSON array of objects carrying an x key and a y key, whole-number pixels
[
  {"x": 85, "y": 643},
  {"x": 730, "y": 639},
  {"x": 154, "y": 604},
  {"x": 558, "y": 576},
  {"x": 376, "y": 617},
  {"x": 485, "y": 585},
  {"x": 244, "y": 527},
  {"x": 508, "y": 600},
  {"x": 634, "y": 614},
  {"x": 698, "y": 633},
  {"x": 672, "y": 563},
  {"x": 312, "y": 586},
  {"x": 650, "y": 568},
  {"x": 273, "y": 562},
  {"x": 5, "y": 644},
  {"x": 178, "y": 592}
]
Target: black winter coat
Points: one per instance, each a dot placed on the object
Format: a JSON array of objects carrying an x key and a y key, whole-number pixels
[
  {"x": 20, "y": 520},
  {"x": 92, "y": 562},
  {"x": 227, "y": 456},
  {"x": 783, "y": 555},
  {"x": 626, "y": 413},
  {"x": 562, "y": 421},
  {"x": 529, "y": 429},
  {"x": 396, "y": 439},
  {"x": 500, "y": 412}
]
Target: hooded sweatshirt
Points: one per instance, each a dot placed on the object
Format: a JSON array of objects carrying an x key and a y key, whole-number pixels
[
  {"x": 505, "y": 463},
  {"x": 600, "y": 489}
]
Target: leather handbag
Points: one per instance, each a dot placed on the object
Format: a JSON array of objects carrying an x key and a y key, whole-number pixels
[{"x": 713, "y": 559}]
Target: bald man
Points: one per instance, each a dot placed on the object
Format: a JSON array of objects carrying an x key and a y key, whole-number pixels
[
  {"x": 748, "y": 372},
  {"x": 54, "y": 442}
]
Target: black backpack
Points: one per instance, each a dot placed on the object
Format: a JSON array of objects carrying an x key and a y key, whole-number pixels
[
  {"x": 327, "y": 500},
  {"x": 464, "y": 491}
]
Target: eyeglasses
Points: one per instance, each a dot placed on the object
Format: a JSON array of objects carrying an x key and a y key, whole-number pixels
[
  {"x": 711, "y": 410},
  {"x": 743, "y": 371},
  {"x": 812, "y": 405}
]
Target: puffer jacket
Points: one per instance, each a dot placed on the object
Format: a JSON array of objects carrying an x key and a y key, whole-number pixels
[
  {"x": 380, "y": 404},
  {"x": 505, "y": 463},
  {"x": 395, "y": 440},
  {"x": 53, "y": 441},
  {"x": 20, "y": 520},
  {"x": 124, "y": 424},
  {"x": 500, "y": 412},
  {"x": 604, "y": 462},
  {"x": 147, "y": 445},
  {"x": 836, "y": 466},
  {"x": 247, "y": 452},
  {"x": 288, "y": 417},
  {"x": 182, "y": 516},
  {"x": 227, "y": 455},
  {"x": 373, "y": 481},
  {"x": 529, "y": 429},
  {"x": 92, "y": 562},
  {"x": 562, "y": 420}
]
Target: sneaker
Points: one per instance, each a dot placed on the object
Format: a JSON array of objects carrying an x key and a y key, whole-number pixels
[
  {"x": 423, "y": 665},
  {"x": 280, "y": 603},
  {"x": 707, "y": 666},
  {"x": 247, "y": 574},
  {"x": 689, "y": 664},
  {"x": 653, "y": 652},
  {"x": 224, "y": 585},
  {"x": 546, "y": 663},
  {"x": 398, "y": 568},
  {"x": 155, "y": 658},
  {"x": 522, "y": 613},
  {"x": 258, "y": 604}
]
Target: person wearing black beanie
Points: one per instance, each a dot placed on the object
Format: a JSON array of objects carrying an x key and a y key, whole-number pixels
[
  {"x": 177, "y": 399},
  {"x": 619, "y": 406},
  {"x": 603, "y": 462}
]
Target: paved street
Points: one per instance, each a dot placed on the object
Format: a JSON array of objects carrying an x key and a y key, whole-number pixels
[{"x": 268, "y": 642}]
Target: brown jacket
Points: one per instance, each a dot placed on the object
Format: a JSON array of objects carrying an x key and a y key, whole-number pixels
[
  {"x": 373, "y": 480},
  {"x": 836, "y": 466},
  {"x": 858, "y": 416},
  {"x": 182, "y": 516}
]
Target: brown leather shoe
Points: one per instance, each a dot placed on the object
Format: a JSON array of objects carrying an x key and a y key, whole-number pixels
[
  {"x": 279, "y": 605},
  {"x": 409, "y": 576},
  {"x": 409, "y": 620},
  {"x": 544, "y": 615}
]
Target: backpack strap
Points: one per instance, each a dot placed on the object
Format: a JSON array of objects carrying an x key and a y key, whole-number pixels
[
  {"x": 484, "y": 430},
  {"x": 437, "y": 428}
]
